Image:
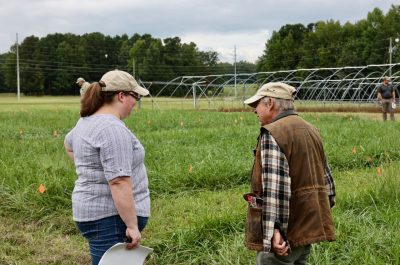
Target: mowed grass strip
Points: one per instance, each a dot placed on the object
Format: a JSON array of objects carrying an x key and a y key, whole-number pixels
[{"x": 36, "y": 244}]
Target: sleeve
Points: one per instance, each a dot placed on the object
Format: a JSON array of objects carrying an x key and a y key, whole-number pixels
[
  {"x": 116, "y": 152},
  {"x": 379, "y": 90},
  {"x": 276, "y": 189},
  {"x": 330, "y": 184},
  {"x": 68, "y": 139}
]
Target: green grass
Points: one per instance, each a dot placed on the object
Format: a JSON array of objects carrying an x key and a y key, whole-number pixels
[
  {"x": 25, "y": 103},
  {"x": 197, "y": 216}
]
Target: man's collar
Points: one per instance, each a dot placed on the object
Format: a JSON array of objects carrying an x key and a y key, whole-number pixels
[{"x": 283, "y": 114}]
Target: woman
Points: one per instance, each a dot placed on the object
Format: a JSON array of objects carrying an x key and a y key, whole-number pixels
[{"x": 111, "y": 198}]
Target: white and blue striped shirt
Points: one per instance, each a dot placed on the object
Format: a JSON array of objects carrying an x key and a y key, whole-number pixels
[{"x": 104, "y": 149}]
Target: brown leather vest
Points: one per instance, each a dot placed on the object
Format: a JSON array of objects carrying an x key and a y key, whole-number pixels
[{"x": 310, "y": 217}]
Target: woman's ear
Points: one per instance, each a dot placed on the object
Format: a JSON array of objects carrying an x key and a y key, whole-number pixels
[{"x": 121, "y": 96}]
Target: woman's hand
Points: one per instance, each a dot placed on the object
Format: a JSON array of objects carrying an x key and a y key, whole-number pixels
[{"x": 134, "y": 237}]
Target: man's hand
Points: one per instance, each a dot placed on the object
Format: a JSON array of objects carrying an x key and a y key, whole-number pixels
[{"x": 279, "y": 246}]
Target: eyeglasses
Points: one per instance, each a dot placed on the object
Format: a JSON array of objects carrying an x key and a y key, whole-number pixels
[{"x": 135, "y": 96}]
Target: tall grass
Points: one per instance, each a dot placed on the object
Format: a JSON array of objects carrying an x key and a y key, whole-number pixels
[{"x": 198, "y": 164}]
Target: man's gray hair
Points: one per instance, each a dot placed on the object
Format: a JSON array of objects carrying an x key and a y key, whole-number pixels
[{"x": 280, "y": 104}]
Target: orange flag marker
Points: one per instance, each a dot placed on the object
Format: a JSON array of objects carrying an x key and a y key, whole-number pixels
[
  {"x": 354, "y": 150},
  {"x": 42, "y": 189},
  {"x": 190, "y": 168}
]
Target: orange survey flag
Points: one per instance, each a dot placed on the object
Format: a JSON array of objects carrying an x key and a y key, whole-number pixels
[
  {"x": 354, "y": 150},
  {"x": 42, "y": 189}
]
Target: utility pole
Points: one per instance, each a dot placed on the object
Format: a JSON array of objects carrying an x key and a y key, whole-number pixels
[
  {"x": 18, "y": 85},
  {"x": 234, "y": 64}
]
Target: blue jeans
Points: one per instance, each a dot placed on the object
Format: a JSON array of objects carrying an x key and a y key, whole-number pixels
[{"x": 104, "y": 233}]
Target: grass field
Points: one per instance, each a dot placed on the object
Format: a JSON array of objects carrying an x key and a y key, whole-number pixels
[
  {"x": 197, "y": 215},
  {"x": 9, "y": 102}
]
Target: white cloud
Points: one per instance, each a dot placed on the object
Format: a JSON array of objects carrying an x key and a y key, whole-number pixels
[
  {"x": 249, "y": 44},
  {"x": 216, "y": 25}
]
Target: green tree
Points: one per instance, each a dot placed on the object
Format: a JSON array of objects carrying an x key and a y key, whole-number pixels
[
  {"x": 3, "y": 87},
  {"x": 373, "y": 37},
  {"x": 353, "y": 46},
  {"x": 9, "y": 69},
  {"x": 31, "y": 76},
  {"x": 283, "y": 50},
  {"x": 245, "y": 67}
]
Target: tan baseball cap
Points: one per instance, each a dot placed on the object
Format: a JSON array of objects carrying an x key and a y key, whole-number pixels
[
  {"x": 273, "y": 90},
  {"x": 386, "y": 78},
  {"x": 80, "y": 79},
  {"x": 117, "y": 80}
]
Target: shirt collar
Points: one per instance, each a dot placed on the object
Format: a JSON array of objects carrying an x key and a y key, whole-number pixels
[{"x": 283, "y": 114}]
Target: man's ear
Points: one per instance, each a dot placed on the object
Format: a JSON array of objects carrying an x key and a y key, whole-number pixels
[{"x": 270, "y": 104}]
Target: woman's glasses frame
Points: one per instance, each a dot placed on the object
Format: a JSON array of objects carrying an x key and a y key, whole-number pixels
[{"x": 134, "y": 95}]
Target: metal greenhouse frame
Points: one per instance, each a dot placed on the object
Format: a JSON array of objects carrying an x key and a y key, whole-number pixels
[{"x": 353, "y": 84}]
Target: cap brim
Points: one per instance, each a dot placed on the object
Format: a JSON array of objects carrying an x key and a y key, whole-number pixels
[
  {"x": 141, "y": 91},
  {"x": 252, "y": 100}
]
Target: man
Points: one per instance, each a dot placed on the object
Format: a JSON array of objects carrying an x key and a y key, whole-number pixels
[
  {"x": 83, "y": 85},
  {"x": 292, "y": 187},
  {"x": 387, "y": 96}
]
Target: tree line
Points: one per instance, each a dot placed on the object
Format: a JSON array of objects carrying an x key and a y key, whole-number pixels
[
  {"x": 51, "y": 64},
  {"x": 330, "y": 44}
]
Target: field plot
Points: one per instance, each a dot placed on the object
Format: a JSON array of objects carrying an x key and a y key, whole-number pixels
[{"x": 198, "y": 165}]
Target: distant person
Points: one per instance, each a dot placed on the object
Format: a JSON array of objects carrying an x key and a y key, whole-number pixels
[
  {"x": 111, "y": 197},
  {"x": 387, "y": 97},
  {"x": 83, "y": 85},
  {"x": 292, "y": 189}
]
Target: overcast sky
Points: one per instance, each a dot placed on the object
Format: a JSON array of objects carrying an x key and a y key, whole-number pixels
[{"x": 216, "y": 25}]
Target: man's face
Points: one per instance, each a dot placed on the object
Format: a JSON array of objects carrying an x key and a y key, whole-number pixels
[
  {"x": 264, "y": 111},
  {"x": 80, "y": 83},
  {"x": 385, "y": 81}
]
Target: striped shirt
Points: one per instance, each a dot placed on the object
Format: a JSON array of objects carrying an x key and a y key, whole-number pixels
[
  {"x": 104, "y": 149},
  {"x": 276, "y": 188}
]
